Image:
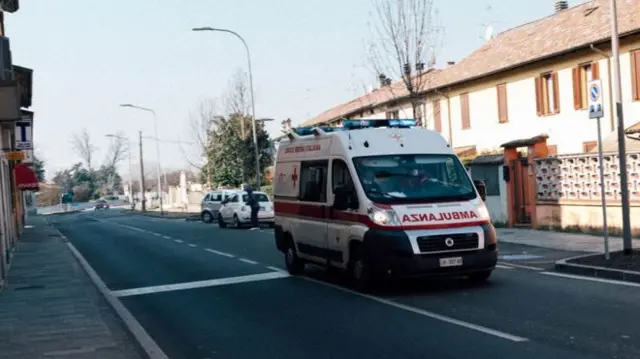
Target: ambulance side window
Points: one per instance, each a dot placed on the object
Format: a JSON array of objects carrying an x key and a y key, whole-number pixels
[
  {"x": 313, "y": 181},
  {"x": 340, "y": 175}
]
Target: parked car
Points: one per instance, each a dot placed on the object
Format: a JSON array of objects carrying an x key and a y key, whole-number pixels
[
  {"x": 234, "y": 210},
  {"x": 212, "y": 202},
  {"x": 101, "y": 204}
]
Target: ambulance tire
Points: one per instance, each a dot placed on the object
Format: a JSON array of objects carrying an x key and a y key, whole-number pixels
[
  {"x": 362, "y": 278},
  {"x": 294, "y": 264},
  {"x": 207, "y": 217}
]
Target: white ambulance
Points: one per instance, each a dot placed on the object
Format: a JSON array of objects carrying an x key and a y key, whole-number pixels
[{"x": 380, "y": 198}]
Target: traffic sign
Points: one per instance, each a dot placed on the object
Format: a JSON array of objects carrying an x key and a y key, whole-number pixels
[
  {"x": 24, "y": 135},
  {"x": 594, "y": 89}
]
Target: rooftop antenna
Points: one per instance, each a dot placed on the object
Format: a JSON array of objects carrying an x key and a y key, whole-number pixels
[{"x": 489, "y": 29}]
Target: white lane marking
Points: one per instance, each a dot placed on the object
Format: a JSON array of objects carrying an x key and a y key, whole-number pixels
[
  {"x": 198, "y": 284},
  {"x": 151, "y": 348},
  {"x": 157, "y": 234},
  {"x": 219, "y": 253},
  {"x": 601, "y": 280},
  {"x": 247, "y": 261},
  {"x": 192, "y": 245},
  {"x": 178, "y": 240},
  {"x": 443, "y": 318},
  {"x": 523, "y": 266},
  {"x": 277, "y": 269},
  {"x": 166, "y": 237},
  {"x": 503, "y": 267}
]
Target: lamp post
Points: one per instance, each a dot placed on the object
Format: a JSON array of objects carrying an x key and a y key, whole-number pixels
[
  {"x": 155, "y": 125},
  {"x": 253, "y": 105}
]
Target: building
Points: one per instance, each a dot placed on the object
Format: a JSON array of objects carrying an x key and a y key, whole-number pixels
[
  {"x": 526, "y": 81},
  {"x": 16, "y": 145}
]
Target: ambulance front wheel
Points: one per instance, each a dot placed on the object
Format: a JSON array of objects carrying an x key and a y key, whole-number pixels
[
  {"x": 295, "y": 265},
  {"x": 362, "y": 276}
]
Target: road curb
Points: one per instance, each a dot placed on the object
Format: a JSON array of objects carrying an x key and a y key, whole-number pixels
[
  {"x": 564, "y": 266},
  {"x": 189, "y": 219},
  {"x": 142, "y": 338}
]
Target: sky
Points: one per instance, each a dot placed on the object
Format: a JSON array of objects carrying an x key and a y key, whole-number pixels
[{"x": 90, "y": 56}]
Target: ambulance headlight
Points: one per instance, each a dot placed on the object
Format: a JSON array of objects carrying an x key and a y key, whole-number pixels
[
  {"x": 383, "y": 217},
  {"x": 380, "y": 217},
  {"x": 483, "y": 212}
]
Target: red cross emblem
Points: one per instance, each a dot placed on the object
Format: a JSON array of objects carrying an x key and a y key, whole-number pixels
[
  {"x": 396, "y": 136},
  {"x": 294, "y": 175}
]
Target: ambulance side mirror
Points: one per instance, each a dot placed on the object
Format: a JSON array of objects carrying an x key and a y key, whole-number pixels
[
  {"x": 341, "y": 198},
  {"x": 481, "y": 187}
]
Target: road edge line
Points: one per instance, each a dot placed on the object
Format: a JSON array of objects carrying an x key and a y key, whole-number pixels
[
  {"x": 426, "y": 313},
  {"x": 148, "y": 345},
  {"x": 565, "y": 266}
]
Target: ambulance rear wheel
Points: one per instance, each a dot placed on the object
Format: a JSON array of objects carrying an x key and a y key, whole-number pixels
[{"x": 295, "y": 265}]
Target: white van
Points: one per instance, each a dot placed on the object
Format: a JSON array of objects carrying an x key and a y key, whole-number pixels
[{"x": 380, "y": 199}]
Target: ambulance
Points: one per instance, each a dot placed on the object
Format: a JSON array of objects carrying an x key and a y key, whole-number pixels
[{"x": 380, "y": 199}]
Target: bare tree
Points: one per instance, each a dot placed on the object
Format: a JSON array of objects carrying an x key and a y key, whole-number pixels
[
  {"x": 201, "y": 123},
  {"x": 237, "y": 100},
  {"x": 408, "y": 36},
  {"x": 118, "y": 150},
  {"x": 81, "y": 144}
]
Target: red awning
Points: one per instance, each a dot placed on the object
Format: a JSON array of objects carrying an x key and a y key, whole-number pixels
[{"x": 26, "y": 179}]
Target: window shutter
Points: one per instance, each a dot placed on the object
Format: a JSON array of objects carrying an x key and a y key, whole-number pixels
[
  {"x": 635, "y": 74},
  {"x": 503, "y": 116},
  {"x": 464, "y": 111},
  {"x": 595, "y": 71},
  {"x": 577, "y": 91},
  {"x": 556, "y": 93},
  {"x": 539, "y": 95}
]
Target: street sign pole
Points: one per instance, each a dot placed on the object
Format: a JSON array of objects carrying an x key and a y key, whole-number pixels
[{"x": 596, "y": 111}]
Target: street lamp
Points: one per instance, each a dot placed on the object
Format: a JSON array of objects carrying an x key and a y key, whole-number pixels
[
  {"x": 130, "y": 168},
  {"x": 253, "y": 105},
  {"x": 155, "y": 125}
]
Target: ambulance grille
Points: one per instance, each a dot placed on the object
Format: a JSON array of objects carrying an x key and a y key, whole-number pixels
[{"x": 461, "y": 241}]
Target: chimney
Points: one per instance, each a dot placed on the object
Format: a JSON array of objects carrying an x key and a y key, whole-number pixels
[
  {"x": 450, "y": 63},
  {"x": 561, "y": 5}
]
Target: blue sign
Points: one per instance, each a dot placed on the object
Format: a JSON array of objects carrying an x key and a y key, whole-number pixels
[{"x": 595, "y": 107}]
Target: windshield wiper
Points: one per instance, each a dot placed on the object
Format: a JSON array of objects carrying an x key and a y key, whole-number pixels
[{"x": 387, "y": 194}]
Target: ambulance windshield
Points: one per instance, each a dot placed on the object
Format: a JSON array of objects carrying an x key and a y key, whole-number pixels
[{"x": 399, "y": 179}]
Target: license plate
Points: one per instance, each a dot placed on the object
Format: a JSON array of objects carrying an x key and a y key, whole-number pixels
[{"x": 451, "y": 262}]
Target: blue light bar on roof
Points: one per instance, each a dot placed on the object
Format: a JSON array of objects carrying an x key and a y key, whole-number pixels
[
  {"x": 306, "y": 131},
  {"x": 372, "y": 123}
]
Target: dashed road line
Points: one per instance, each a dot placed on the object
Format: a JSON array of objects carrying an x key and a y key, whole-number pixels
[
  {"x": 503, "y": 267},
  {"x": 192, "y": 245},
  {"x": 166, "y": 237},
  {"x": 219, "y": 253},
  {"x": 523, "y": 266},
  {"x": 276, "y": 269},
  {"x": 178, "y": 240},
  {"x": 247, "y": 261}
]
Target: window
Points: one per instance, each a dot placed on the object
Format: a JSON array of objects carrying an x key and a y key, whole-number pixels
[
  {"x": 401, "y": 179},
  {"x": 393, "y": 114},
  {"x": 588, "y": 146},
  {"x": 464, "y": 111},
  {"x": 340, "y": 175},
  {"x": 313, "y": 181},
  {"x": 552, "y": 150},
  {"x": 437, "y": 116},
  {"x": 547, "y": 94},
  {"x": 216, "y": 197},
  {"x": 503, "y": 115},
  {"x": 206, "y": 198},
  {"x": 260, "y": 197},
  {"x": 419, "y": 115},
  {"x": 581, "y": 77},
  {"x": 635, "y": 74}
]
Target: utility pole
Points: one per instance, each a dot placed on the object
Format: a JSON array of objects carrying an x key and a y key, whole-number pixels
[
  {"x": 142, "y": 189},
  {"x": 622, "y": 153}
]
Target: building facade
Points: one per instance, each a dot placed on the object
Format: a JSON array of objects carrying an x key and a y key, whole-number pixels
[{"x": 525, "y": 82}]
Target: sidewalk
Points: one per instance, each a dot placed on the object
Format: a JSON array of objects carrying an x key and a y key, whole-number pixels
[
  {"x": 572, "y": 242},
  {"x": 51, "y": 309}
]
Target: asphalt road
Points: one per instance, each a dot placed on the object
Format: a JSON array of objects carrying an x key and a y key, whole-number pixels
[{"x": 204, "y": 292}]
